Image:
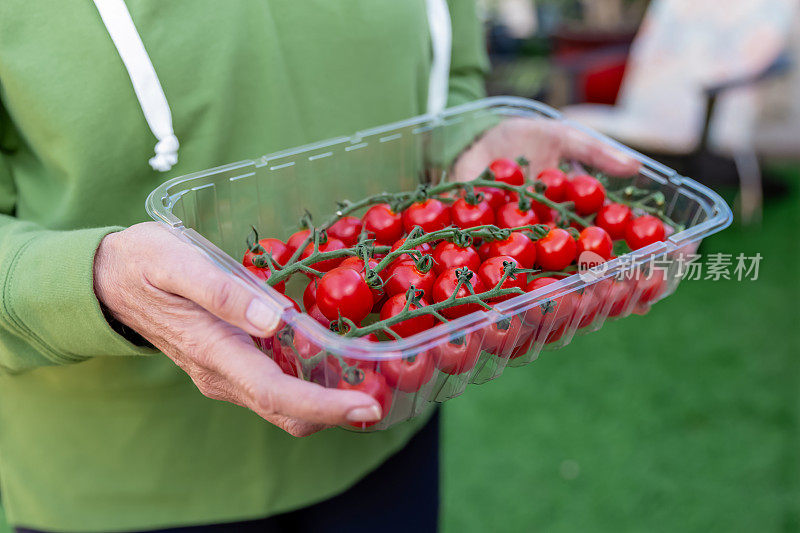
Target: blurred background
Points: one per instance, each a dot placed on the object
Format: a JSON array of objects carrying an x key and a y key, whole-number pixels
[{"x": 685, "y": 419}]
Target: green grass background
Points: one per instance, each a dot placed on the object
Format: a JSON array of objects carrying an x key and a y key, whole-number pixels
[
  {"x": 682, "y": 420},
  {"x": 685, "y": 419}
]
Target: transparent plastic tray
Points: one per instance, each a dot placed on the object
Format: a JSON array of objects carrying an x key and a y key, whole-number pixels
[{"x": 215, "y": 208}]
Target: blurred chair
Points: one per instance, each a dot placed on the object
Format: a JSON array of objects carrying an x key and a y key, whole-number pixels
[{"x": 691, "y": 91}]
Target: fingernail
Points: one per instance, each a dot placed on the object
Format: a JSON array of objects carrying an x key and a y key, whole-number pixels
[
  {"x": 261, "y": 317},
  {"x": 364, "y": 414}
]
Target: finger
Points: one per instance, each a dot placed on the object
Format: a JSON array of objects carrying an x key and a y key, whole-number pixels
[
  {"x": 582, "y": 147},
  {"x": 294, "y": 426},
  {"x": 269, "y": 392},
  {"x": 191, "y": 275}
]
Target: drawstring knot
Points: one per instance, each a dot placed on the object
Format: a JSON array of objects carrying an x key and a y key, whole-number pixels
[{"x": 166, "y": 151}]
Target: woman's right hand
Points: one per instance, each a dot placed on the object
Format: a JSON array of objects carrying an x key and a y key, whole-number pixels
[{"x": 202, "y": 319}]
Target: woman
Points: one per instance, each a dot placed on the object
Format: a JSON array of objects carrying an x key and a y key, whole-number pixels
[{"x": 99, "y": 431}]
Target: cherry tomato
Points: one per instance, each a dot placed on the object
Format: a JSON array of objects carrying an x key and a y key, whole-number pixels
[
  {"x": 450, "y": 255},
  {"x": 544, "y": 212},
  {"x": 484, "y": 251},
  {"x": 344, "y": 291},
  {"x": 458, "y": 355},
  {"x": 403, "y": 274},
  {"x": 425, "y": 248},
  {"x": 317, "y": 315},
  {"x": 556, "y": 250},
  {"x": 614, "y": 218},
  {"x": 496, "y": 197},
  {"x": 555, "y": 182},
  {"x": 310, "y": 293},
  {"x": 587, "y": 193},
  {"x": 507, "y": 171},
  {"x": 394, "y": 305},
  {"x": 589, "y": 305},
  {"x": 383, "y": 224},
  {"x": 466, "y": 215},
  {"x": 296, "y": 240},
  {"x": 501, "y": 337},
  {"x": 618, "y": 298},
  {"x": 357, "y": 264},
  {"x": 643, "y": 231},
  {"x": 445, "y": 285},
  {"x": 597, "y": 240},
  {"x": 264, "y": 273},
  {"x": 276, "y": 247},
  {"x": 328, "y": 246},
  {"x": 517, "y": 245},
  {"x": 511, "y": 216},
  {"x": 651, "y": 287},
  {"x": 346, "y": 229},
  {"x": 554, "y": 314},
  {"x": 491, "y": 271},
  {"x": 430, "y": 215},
  {"x": 407, "y": 374},
  {"x": 370, "y": 383}
]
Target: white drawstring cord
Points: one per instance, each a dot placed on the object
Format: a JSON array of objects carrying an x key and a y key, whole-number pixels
[
  {"x": 155, "y": 107},
  {"x": 144, "y": 79},
  {"x": 441, "y": 43}
]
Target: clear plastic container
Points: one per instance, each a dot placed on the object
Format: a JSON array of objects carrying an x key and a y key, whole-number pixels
[{"x": 214, "y": 209}]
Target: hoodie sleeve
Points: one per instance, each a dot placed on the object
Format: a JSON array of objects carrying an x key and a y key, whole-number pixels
[
  {"x": 469, "y": 63},
  {"x": 49, "y": 314}
]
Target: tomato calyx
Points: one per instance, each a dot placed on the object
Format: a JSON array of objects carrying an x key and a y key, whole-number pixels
[{"x": 252, "y": 242}]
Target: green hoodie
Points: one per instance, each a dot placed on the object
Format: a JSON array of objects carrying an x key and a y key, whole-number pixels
[{"x": 97, "y": 434}]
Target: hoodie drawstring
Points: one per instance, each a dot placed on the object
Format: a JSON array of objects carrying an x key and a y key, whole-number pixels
[
  {"x": 144, "y": 79},
  {"x": 155, "y": 107}
]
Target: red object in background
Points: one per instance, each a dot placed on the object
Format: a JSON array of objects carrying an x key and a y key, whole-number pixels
[{"x": 595, "y": 60}]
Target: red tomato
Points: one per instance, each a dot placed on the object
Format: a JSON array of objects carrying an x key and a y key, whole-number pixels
[
  {"x": 466, "y": 215},
  {"x": 555, "y": 182},
  {"x": 587, "y": 193},
  {"x": 264, "y": 273},
  {"x": 310, "y": 293},
  {"x": 425, "y": 248},
  {"x": 496, "y": 197},
  {"x": 519, "y": 246},
  {"x": 507, "y": 171},
  {"x": 330, "y": 245},
  {"x": 596, "y": 240},
  {"x": 544, "y": 212},
  {"x": 430, "y": 215},
  {"x": 445, "y": 285},
  {"x": 588, "y": 306},
  {"x": 554, "y": 314},
  {"x": 394, "y": 305},
  {"x": 614, "y": 218},
  {"x": 501, "y": 337},
  {"x": 556, "y": 250},
  {"x": 276, "y": 247},
  {"x": 458, "y": 355},
  {"x": 485, "y": 251},
  {"x": 370, "y": 383},
  {"x": 407, "y": 374},
  {"x": 383, "y": 224},
  {"x": 511, "y": 216},
  {"x": 643, "y": 231},
  {"x": 450, "y": 255},
  {"x": 403, "y": 274},
  {"x": 618, "y": 298},
  {"x": 651, "y": 288},
  {"x": 491, "y": 271},
  {"x": 357, "y": 264},
  {"x": 344, "y": 291},
  {"x": 317, "y": 315},
  {"x": 285, "y": 359},
  {"x": 346, "y": 229},
  {"x": 296, "y": 239}
]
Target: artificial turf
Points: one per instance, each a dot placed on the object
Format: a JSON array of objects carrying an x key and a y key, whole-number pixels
[
  {"x": 682, "y": 420},
  {"x": 685, "y": 419}
]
